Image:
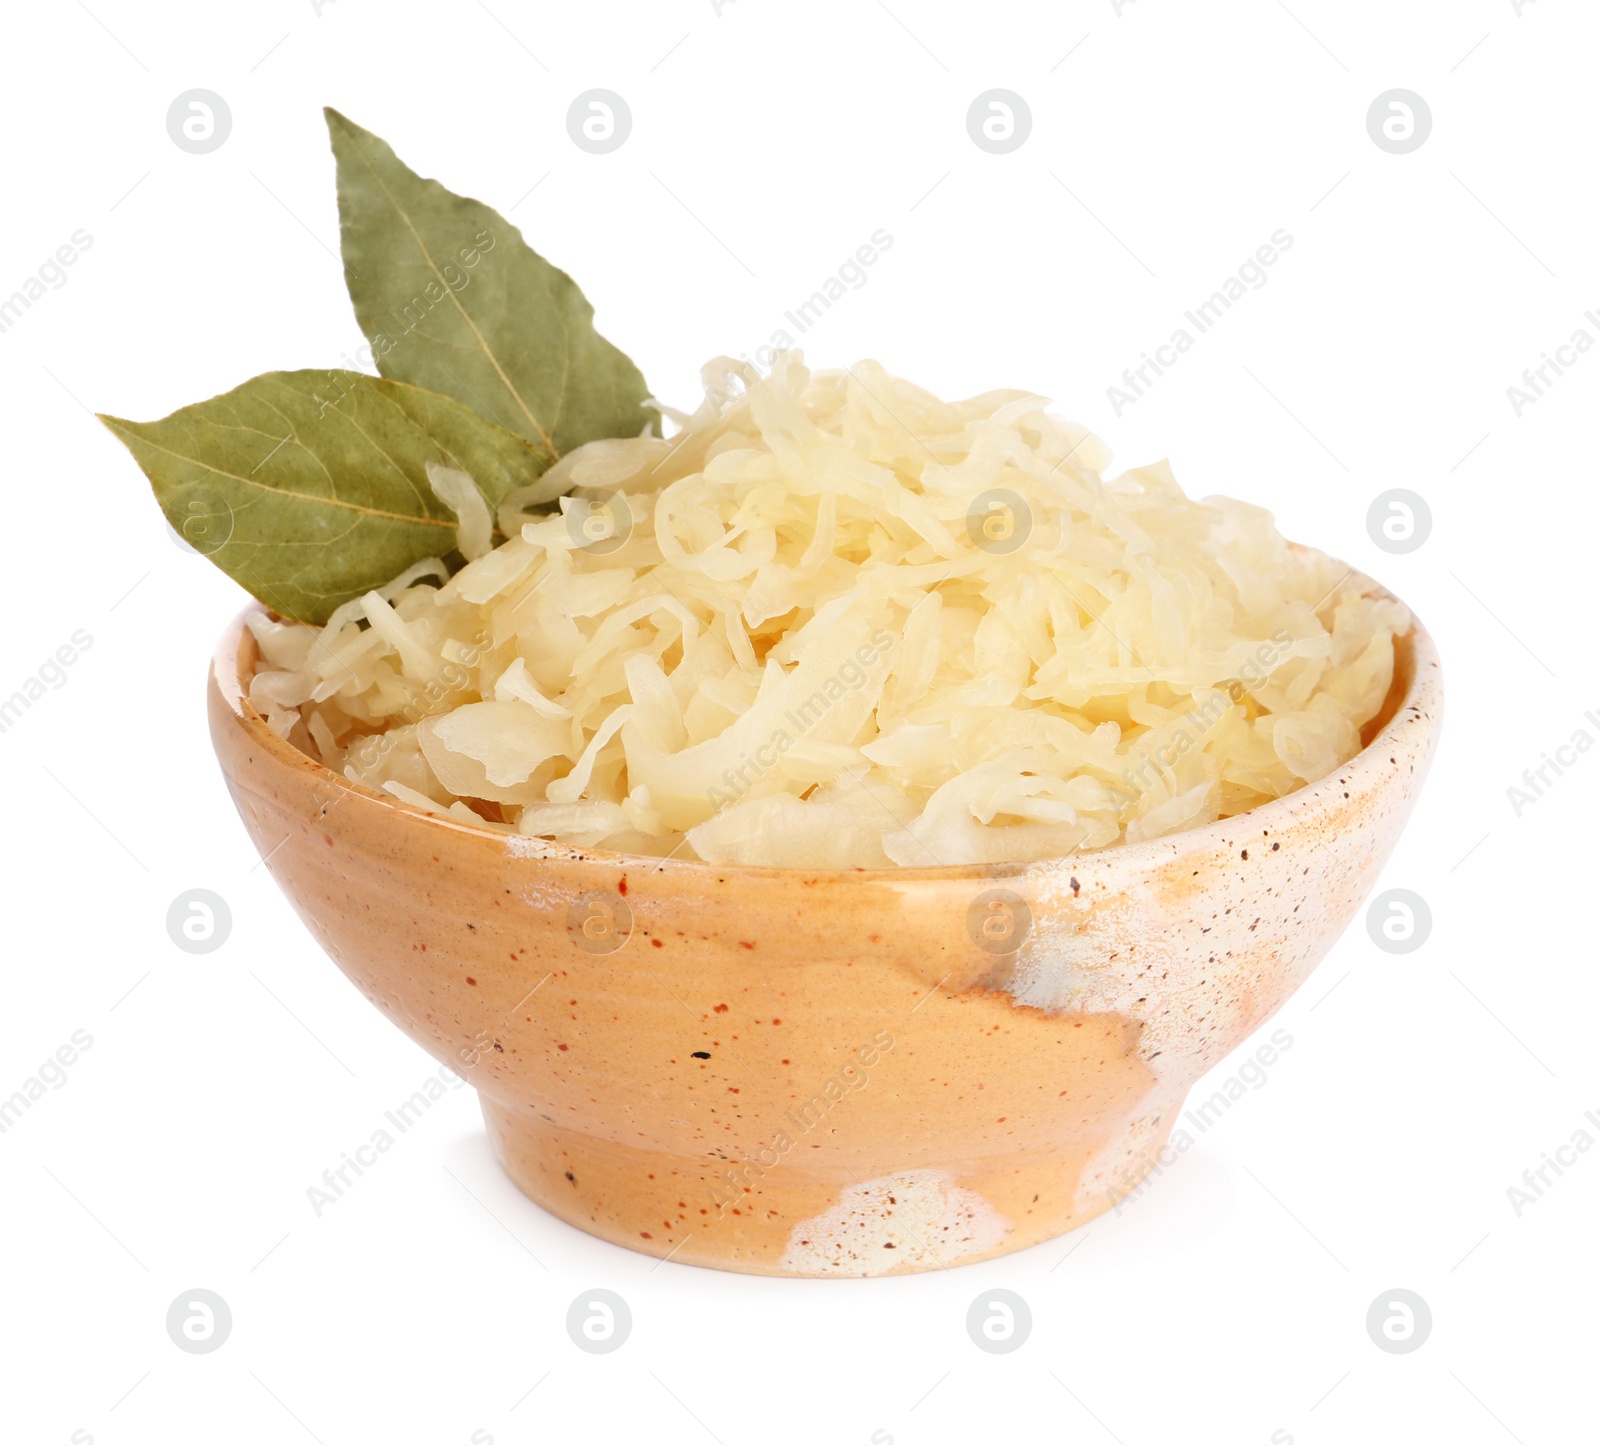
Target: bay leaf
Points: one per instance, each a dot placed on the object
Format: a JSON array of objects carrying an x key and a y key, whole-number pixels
[
  {"x": 309, "y": 488},
  {"x": 452, "y": 298}
]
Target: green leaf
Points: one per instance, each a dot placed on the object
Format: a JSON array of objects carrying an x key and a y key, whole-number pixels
[
  {"x": 309, "y": 488},
  {"x": 452, "y": 298}
]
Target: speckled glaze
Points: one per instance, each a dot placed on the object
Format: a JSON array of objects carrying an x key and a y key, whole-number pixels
[{"x": 823, "y": 1074}]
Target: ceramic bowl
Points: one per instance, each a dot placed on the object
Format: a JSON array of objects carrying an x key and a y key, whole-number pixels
[{"x": 837, "y": 1073}]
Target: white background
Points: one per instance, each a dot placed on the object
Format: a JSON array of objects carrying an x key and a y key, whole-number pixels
[{"x": 768, "y": 143}]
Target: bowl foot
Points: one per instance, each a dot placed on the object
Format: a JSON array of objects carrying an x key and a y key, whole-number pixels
[{"x": 780, "y": 1215}]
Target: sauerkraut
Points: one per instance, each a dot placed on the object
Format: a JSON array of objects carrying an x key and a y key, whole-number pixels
[{"x": 836, "y": 622}]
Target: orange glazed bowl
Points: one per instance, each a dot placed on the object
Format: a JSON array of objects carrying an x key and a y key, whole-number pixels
[{"x": 824, "y": 1073}]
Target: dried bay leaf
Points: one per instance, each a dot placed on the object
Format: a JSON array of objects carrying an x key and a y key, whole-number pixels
[
  {"x": 309, "y": 488},
  {"x": 453, "y": 299}
]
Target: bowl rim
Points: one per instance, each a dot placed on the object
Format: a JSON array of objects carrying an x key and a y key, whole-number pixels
[{"x": 1418, "y": 707}]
